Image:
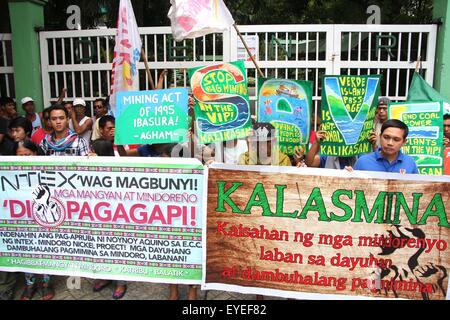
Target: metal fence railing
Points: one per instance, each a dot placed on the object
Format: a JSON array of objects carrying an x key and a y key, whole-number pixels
[
  {"x": 7, "y": 87},
  {"x": 81, "y": 61}
]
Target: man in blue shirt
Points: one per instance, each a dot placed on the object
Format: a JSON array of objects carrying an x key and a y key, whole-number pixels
[{"x": 389, "y": 158}]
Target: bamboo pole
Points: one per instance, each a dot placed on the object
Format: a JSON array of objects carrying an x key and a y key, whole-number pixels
[
  {"x": 248, "y": 51},
  {"x": 147, "y": 69},
  {"x": 418, "y": 64}
]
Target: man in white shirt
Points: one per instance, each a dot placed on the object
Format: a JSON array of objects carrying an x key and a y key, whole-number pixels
[{"x": 80, "y": 123}]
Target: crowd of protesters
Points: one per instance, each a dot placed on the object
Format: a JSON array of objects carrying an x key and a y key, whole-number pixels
[{"x": 64, "y": 129}]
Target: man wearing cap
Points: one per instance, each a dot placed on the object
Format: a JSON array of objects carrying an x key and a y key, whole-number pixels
[
  {"x": 31, "y": 114},
  {"x": 380, "y": 118},
  {"x": 261, "y": 150},
  {"x": 80, "y": 123}
]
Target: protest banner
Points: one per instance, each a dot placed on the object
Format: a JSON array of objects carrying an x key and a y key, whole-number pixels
[
  {"x": 348, "y": 111},
  {"x": 195, "y": 18},
  {"x": 190, "y": 19},
  {"x": 425, "y": 137},
  {"x": 287, "y": 104},
  {"x": 106, "y": 218},
  {"x": 222, "y": 109},
  {"x": 154, "y": 116},
  {"x": 326, "y": 234},
  {"x": 127, "y": 52}
]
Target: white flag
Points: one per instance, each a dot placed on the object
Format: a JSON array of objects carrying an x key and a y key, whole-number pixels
[
  {"x": 127, "y": 52},
  {"x": 194, "y": 18}
]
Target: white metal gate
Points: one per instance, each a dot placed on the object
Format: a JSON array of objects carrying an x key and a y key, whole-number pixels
[
  {"x": 7, "y": 88},
  {"x": 81, "y": 60},
  {"x": 307, "y": 52}
]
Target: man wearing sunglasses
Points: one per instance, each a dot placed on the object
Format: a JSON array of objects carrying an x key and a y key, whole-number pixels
[{"x": 100, "y": 110}]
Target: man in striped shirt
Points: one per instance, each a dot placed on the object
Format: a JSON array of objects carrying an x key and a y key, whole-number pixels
[{"x": 62, "y": 141}]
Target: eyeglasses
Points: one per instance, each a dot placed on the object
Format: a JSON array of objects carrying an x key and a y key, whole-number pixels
[{"x": 98, "y": 107}]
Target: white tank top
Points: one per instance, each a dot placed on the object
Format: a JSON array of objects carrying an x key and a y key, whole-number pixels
[
  {"x": 36, "y": 124},
  {"x": 87, "y": 134}
]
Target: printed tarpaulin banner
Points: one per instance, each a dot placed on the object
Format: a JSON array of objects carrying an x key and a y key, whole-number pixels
[
  {"x": 425, "y": 138},
  {"x": 314, "y": 233},
  {"x": 106, "y": 218},
  {"x": 287, "y": 104},
  {"x": 222, "y": 109},
  {"x": 154, "y": 116},
  {"x": 195, "y": 18},
  {"x": 348, "y": 111}
]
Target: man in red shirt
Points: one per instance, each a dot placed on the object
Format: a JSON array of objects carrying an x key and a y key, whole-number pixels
[{"x": 40, "y": 133}]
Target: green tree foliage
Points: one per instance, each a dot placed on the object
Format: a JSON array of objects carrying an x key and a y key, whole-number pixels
[
  {"x": 328, "y": 11},
  {"x": 154, "y": 12},
  {"x": 104, "y": 12}
]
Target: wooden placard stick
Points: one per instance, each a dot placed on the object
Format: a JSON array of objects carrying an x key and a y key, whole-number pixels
[
  {"x": 418, "y": 64},
  {"x": 147, "y": 69}
]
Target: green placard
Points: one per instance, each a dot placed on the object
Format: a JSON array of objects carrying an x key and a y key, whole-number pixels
[
  {"x": 348, "y": 111},
  {"x": 425, "y": 138},
  {"x": 287, "y": 105},
  {"x": 153, "y": 116},
  {"x": 222, "y": 109}
]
